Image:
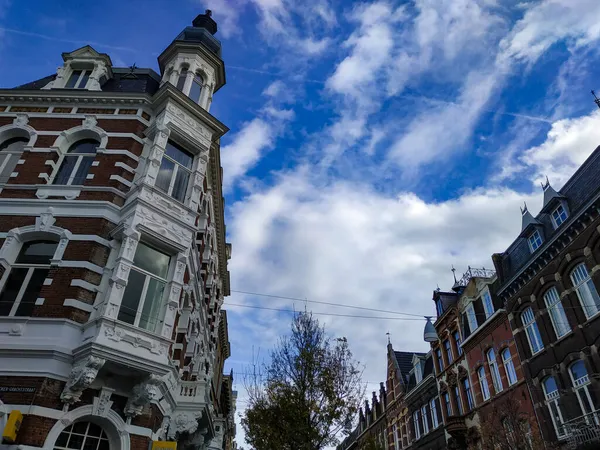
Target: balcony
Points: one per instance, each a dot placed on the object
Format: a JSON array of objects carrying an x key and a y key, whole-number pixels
[
  {"x": 583, "y": 430},
  {"x": 456, "y": 426}
]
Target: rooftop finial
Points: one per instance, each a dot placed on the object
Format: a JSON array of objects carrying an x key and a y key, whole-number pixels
[
  {"x": 454, "y": 273},
  {"x": 596, "y": 99},
  {"x": 524, "y": 209},
  {"x": 388, "y": 336},
  {"x": 208, "y": 12},
  {"x": 546, "y": 184}
]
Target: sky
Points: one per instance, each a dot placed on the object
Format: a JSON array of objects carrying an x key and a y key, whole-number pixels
[{"x": 373, "y": 146}]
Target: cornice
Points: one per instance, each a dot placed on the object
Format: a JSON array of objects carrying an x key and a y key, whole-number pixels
[
  {"x": 71, "y": 96},
  {"x": 219, "y": 207}
]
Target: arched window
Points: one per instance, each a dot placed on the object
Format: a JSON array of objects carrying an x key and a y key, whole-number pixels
[
  {"x": 581, "y": 383},
  {"x": 82, "y": 436},
  {"x": 196, "y": 89},
  {"x": 509, "y": 367},
  {"x": 531, "y": 330},
  {"x": 26, "y": 278},
  {"x": 553, "y": 403},
  {"x": 560, "y": 323},
  {"x": 10, "y": 153},
  {"x": 485, "y": 390},
  {"x": 496, "y": 380},
  {"x": 77, "y": 162},
  {"x": 586, "y": 290},
  {"x": 182, "y": 77}
]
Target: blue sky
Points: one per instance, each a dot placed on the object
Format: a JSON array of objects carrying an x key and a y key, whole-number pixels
[{"x": 372, "y": 145}]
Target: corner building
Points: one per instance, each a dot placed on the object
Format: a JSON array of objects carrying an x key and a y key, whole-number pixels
[{"x": 113, "y": 260}]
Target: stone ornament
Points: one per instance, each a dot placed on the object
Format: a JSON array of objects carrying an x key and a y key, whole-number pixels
[
  {"x": 102, "y": 403},
  {"x": 142, "y": 394},
  {"x": 81, "y": 377},
  {"x": 184, "y": 422}
]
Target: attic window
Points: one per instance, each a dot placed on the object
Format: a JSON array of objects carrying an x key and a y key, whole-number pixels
[
  {"x": 78, "y": 79},
  {"x": 418, "y": 372},
  {"x": 534, "y": 240},
  {"x": 559, "y": 215}
]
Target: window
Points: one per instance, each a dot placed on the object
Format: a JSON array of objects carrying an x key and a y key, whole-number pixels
[
  {"x": 560, "y": 323},
  {"x": 425, "y": 421},
  {"x": 142, "y": 301},
  {"x": 448, "y": 348},
  {"x": 586, "y": 290},
  {"x": 496, "y": 380},
  {"x": 468, "y": 393},
  {"x": 77, "y": 162},
  {"x": 434, "y": 413},
  {"x": 488, "y": 306},
  {"x": 396, "y": 441},
  {"x": 532, "y": 331},
  {"x": 182, "y": 77},
  {"x": 417, "y": 423},
  {"x": 196, "y": 88},
  {"x": 581, "y": 383},
  {"x": 458, "y": 401},
  {"x": 439, "y": 307},
  {"x": 440, "y": 361},
  {"x": 559, "y": 215},
  {"x": 448, "y": 404},
  {"x": 10, "y": 153},
  {"x": 78, "y": 79},
  {"x": 535, "y": 241},
  {"x": 26, "y": 278},
  {"x": 509, "y": 367},
  {"x": 418, "y": 372},
  {"x": 485, "y": 390},
  {"x": 458, "y": 341},
  {"x": 471, "y": 317},
  {"x": 552, "y": 402},
  {"x": 82, "y": 436},
  {"x": 175, "y": 170}
]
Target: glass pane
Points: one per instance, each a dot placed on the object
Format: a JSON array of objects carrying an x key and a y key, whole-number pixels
[
  {"x": 181, "y": 184},
  {"x": 177, "y": 153},
  {"x": 152, "y": 306},
  {"x": 550, "y": 385},
  {"x": 181, "y": 80},
  {"x": 165, "y": 174},
  {"x": 196, "y": 89},
  {"x": 32, "y": 292},
  {"x": 91, "y": 443},
  {"x": 11, "y": 290},
  {"x": 84, "y": 146},
  {"x": 104, "y": 445},
  {"x": 37, "y": 252},
  {"x": 73, "y": 79},
  {"x": 578, "y": 370},
  {"x": 79, "y": 427},
  {"x": 83, "y": 170},
  {"x": 94, "y": 430},
  {"x": 76, "y": 441},
  {"x": 151, "y": 260},
  {"x": 131, "y": 297},
  {"x": 66, "y": 169},
  {"x": 83, "y": 81},
  {"x": 14, "y": 144},
  {"x": 585, "y": 401},
  {"x": 62, "y": 439}
]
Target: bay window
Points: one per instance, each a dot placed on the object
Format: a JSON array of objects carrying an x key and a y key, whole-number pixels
[
  {"x": 76, "y": 163},
  {"x": 586, "y": 290},
  {"x": 581, "y": 383},
  {"x": 495, "y": 372},
  {"x": 531, "y": 330},
  {"x": 509, "y": 367},
  {"x": 552, "y": 402},
  {"x": 142, "y": 303},
  {"x": 26, "y": 278},
  {"x": 559, "y": 320},
  {"x": 175, "y": 170}
]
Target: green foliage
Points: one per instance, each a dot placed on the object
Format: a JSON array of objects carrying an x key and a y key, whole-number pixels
[{"x": 308, "y": 393}]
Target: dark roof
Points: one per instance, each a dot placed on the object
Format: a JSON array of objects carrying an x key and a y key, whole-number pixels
[
  {"x": 580, "y": 189},
  {"x": 404, "y": 360},
  {"x": 144, "y": 81},
  {"x": 550, "y": 197},
  {"x": 447, "y": 298}
]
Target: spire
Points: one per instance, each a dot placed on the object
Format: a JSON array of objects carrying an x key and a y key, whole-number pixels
[
  {"x": 527, "y": 219},
  {"x": 549, "y": 195}
]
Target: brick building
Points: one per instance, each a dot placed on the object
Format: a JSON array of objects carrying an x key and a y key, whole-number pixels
[
  {"x": 370, "y": 433},
  {"x": 549, "y": 279},
  {"x": 113, "y": 260}
]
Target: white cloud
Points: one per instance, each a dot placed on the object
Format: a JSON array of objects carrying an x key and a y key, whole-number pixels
[{"x": 226, "y": 13}]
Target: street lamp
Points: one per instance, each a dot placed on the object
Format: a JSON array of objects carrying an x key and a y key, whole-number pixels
[{"x": 429, "y": 334}]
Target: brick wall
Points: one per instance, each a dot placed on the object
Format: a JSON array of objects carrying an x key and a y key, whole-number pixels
[{"x": 34, "y": 430}]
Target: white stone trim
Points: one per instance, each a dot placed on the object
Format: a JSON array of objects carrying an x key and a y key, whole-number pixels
[
  {"x": 67, "y": 192},
  {"x": 124, "y": 166},
  {"x": 21, "y": 161},
  {"x": 121, "y": 180},
  {"x": 85, "y": 285},
  {"x": 65, "y": 208},
  {"x": 95, "y": 163},
  {"x": 126, "y": 135},
  {"x": 78, "y": 304},
  {"x": 14, "y": 175},
  {"x": 83, "y": 265},
  {"x": 39, "y": 301},
  {"x": 118, "y": 152},
  {"x": 47, "y": 281}
]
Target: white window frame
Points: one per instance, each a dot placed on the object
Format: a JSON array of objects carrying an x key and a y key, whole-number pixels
[
  {"x": 509, "y": 367},
  {"x": 468, "y": 393},
  {"x": 440, "y": 358},
  {"x": 417, "y": 424},
  {"x": 535, "y": 240},
  {"x": 434, "y": 418},
  {"x": 488, "y": 308},
  {"x": 79, "y": 78},
  {"x": 557, "y": 314},
  {"x": 485, "y": 388},
  {"x": 581, "y": 388},
  {"x": 424, "y": 417},
  {"x": 535, "y": 332},
  {"x": 459, "y": 406},
  {"x": 396, "y": 442},
  {"x": 10, "y": 155},
  {"x": 471, "y": 317},
  {"x": 580, "y": 277},
  {"x": 177, "y": 166},
  {"x": 552, "y": 399},
  {"x": 79, "y": 157},
  {"x": 555, "y": 222},
  {"x": 494, "y": 370}
]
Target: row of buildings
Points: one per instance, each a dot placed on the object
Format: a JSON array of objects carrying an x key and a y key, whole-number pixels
[
  {"x": 513, "y": 360},
  {"x": 113, "y": 258}
]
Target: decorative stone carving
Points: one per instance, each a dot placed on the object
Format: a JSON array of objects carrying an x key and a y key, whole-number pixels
[
  {"x": 189, "y": 124},
  {"x": 89, "y": 122},
  {"x": 142, "y": 394},
  {"x": 81, "y": 377},
  {"x": 102, "y": 403},
  {"x": 21, "y": 120},
  {"x": 184, "y": 422},
  {"x": 164, "y": 427},
  {"x": 216, "y": 443},
  {"x": 45, "y": 220}
]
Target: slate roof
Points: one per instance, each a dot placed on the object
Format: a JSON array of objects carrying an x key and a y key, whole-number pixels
[
  {"x": 143, "y": 81},
  {"x": 580, "y": 189},
  {"x": 404, "y": 360}
]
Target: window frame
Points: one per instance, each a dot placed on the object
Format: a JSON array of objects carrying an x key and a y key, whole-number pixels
[
  {"x": 177, "y": 166},
  {"x": 494, "y": 370},
  {"x": 555, "y": 222},
  {"x": 84, "y": 75},
  {"x": 418, "y": 372},
  {"x": 424, "y": 418},
  {"x": 532, "y": 325},
  {"x": 533, "y": 242},
  {"x": 69, "y": 431},
  {"x": 581, "y": 388},
  {"x": 448, "y": 404},
  {"x": 583, "y": 285},
  {"x": 471, "y": 316},
  {"x": 509, "y": 367},
  {"x": 440, "y": 359},
  {"x": 457, "y": 397},
  {"x": 417, "y": 424},
  {"x": 396, "y": 440},
  {"x": 433, "y": 410},
  {"x": 458, "y": 341},
  {"x": 483, "y": 384},
  {"x": 79, "y": 156},
  {"x": 555, "y": 308},
  {"x": 9, "y": 159},
  {"x": 552, "y": 398},
  {"x": 448, "y": 350},
  {"x": 468, "y": 393},
  {"x": 486, "y": 294}
]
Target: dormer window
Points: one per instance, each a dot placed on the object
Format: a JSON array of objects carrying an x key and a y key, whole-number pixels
[
  {"x": 78, "y": 79},
  {"x": 534, "y": 240},
  {"x": 418, "y": 372},
  {"x": 559, "y": 215},
  {"x": 488, "y": 305}
]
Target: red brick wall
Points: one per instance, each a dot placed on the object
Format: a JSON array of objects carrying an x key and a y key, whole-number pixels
[
  {"x": 34, "y": 430},
  {"x": 139, "y": 442}
]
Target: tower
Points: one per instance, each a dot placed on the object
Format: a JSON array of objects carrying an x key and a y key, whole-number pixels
[{"x": 113, "y": 259}]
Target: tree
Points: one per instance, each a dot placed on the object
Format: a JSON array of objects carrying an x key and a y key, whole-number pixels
[{"x": 306, "y": 395}]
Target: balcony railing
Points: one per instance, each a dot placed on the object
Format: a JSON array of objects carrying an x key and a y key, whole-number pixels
[
  {"x": 583, "y": 430},
  {"x": 473, "y": 272}
]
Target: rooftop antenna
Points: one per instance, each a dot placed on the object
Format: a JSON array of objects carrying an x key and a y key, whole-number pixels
[{"x": 596, "y": 99}]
